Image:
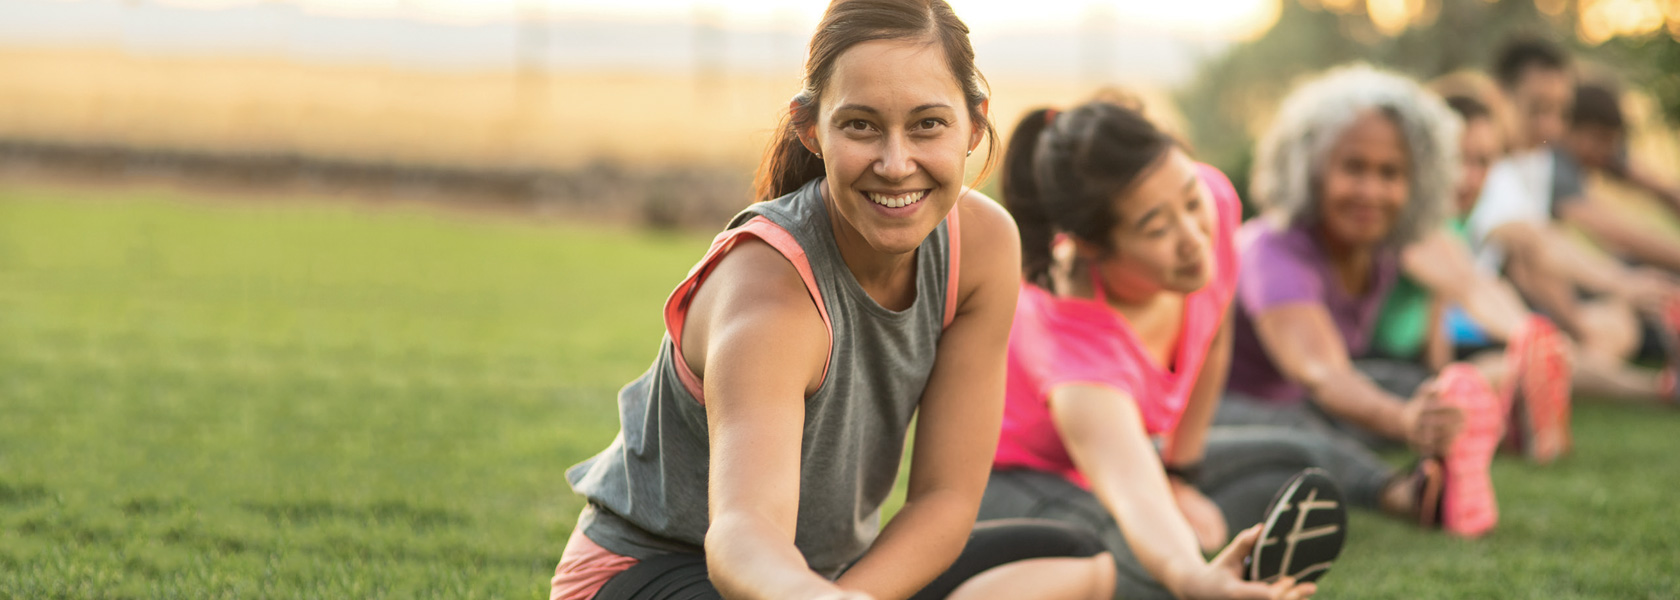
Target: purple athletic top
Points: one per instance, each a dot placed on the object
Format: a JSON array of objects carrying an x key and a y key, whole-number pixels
[{"x": 1284, "y": 266}]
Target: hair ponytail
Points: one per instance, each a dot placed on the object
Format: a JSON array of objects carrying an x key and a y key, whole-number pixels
[
  {"x": 787, "y": 163},
  {"x": 1021, "y": 196},
  {"x": 1063, "y": 171}
]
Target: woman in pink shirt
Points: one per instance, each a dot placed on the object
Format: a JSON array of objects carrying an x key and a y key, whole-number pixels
[{"x": 1118, "y": 354}]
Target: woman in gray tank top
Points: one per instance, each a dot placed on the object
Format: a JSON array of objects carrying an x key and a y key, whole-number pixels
[{"x": 756, "y": 452}]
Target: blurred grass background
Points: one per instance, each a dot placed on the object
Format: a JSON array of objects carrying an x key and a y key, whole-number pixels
[{"x": 209, "y": 399}]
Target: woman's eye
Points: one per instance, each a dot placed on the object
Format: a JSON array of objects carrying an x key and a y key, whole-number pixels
[
  {"x": 931, "y": 123},
  {"x": 857, "y": 125}
]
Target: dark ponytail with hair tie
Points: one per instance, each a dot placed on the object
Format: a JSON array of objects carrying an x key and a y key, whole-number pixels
[
  {"x": 788, "y": 164},
  {"x": 1063, "y": 172},
  {"x": 1019, "y": 185}
]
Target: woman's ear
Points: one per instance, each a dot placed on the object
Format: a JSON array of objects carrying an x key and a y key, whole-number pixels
[
  {"x": 807, "y": 135},
  {"x": 979, "y": 132}
]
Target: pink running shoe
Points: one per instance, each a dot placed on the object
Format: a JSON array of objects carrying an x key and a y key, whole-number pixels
[
  {"x": 1468, "y": 507},
  {"x": 1537, "y": 392},
  {"x": 1670, "y": 339}
]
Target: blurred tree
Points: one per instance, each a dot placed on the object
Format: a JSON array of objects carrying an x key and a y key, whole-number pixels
[{"x": 1651, "y": 62}]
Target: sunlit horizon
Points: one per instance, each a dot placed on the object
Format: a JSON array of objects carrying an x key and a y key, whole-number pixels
[{"x": 1209, "y": 19}]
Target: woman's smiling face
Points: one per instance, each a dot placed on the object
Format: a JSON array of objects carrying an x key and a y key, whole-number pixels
[
  {"x": 1365, "y": 182},
  {"x": 894, "y": 133}
]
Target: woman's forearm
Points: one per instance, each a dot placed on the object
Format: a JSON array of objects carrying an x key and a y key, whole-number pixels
[
  {"x": 749, "y": 557},
  {"x": 1349, "y": 395},
  {"x": 1492, "y": 303},
  {"x": 1104, "y": 435},
  {"x": 1437, "y": 341},
  {"x": 921, "y": 542},
  {"x": 1156, "y": 530}
]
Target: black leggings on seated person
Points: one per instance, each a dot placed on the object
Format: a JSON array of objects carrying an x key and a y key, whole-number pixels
[{"x": 991, "y": 544}]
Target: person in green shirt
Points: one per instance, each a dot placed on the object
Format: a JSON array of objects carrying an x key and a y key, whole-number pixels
[{"x": 1444, "y": 308}]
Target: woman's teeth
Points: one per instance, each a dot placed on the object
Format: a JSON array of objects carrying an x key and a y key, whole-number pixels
[{"x": 899, "y": 201}]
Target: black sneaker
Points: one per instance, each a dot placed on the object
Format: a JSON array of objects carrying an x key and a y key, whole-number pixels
[{"x": 1304, "y": 529}]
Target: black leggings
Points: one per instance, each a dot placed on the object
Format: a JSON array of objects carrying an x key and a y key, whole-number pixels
[
  {"x": 991, "y": 544},
  {"x": 1243, "y": 469}
]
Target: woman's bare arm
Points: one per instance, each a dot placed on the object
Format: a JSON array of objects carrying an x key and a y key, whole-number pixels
[
  {"x": 1667, "y": 191},
  {"x": 1188, "y": 443},
  {"x": 1619, "y": 233},
  {"x": 1104, "y": 434},
  {"x": 1306, "y": 347},
  {"x": 753, "y": 311},
  {"x": 1443, "y": 264},
  {"x": 1437, "y": 342}
]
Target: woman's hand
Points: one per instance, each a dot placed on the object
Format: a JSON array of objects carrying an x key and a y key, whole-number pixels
[
  {"x": 1205, "y": 518},
  {"x": 1650, "y": 290},
  {"x": 1431, "y": 425},
  {"x": 1222, "y": 578}
]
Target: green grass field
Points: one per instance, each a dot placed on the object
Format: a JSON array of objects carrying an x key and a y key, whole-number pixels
[{"x": 205, "y": 400}]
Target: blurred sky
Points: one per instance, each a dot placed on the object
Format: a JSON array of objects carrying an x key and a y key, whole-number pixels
[{"x": 1155, "y": 41}]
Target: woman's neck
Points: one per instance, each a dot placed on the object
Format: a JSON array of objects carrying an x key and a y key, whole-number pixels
[
  {"x": 1139, "y": 306},
  {"x": 1351, "y": 265},
  {"x": 890, "y": 279}
]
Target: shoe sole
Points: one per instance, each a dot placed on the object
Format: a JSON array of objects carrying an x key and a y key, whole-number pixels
[
  {"x": 1468, "y": 506},
  {"x": 1305, "y": 527}
]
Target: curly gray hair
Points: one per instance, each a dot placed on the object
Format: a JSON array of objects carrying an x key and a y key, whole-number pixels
[{"x": 1289, "y": 158}]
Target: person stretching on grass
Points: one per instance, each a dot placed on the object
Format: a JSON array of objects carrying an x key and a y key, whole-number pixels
[
  {"x": 1482, "y": 311},
  {"x": 1120, "y": 335},
  {"x": 1357, "y": 164},
  {"x": 1538, "y": 79},
  {"x": 1512, "y": 225},
  {"x": 1597, "y": 142},
  {"x": 867, "y": 285},
  {"x": 1438, "y": 276}
]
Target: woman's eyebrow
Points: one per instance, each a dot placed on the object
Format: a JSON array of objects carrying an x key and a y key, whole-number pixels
[
  {"x": 1147, "y": 215},
  {"x": 858, "y": 108},
  {"x": 873, "y": 111}
]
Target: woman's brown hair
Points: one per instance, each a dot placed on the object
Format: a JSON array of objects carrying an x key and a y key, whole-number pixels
[
  {"x": 787, "y": 163},
  {"x": 1062, "y": 172}
]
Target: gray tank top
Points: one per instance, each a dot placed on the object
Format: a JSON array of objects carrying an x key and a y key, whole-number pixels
[{"x": 647, "y": 490}]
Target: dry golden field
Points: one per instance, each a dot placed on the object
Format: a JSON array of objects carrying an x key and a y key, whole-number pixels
[{"x": 486, "y": 119}]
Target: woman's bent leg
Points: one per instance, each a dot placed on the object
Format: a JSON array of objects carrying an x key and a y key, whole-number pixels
[
  {"x": 667, "y": 577},
  {"x": 1361, "y": 474},
  {"x": 1029, "y": 559},
  {"x": 1024, "y": 493}
]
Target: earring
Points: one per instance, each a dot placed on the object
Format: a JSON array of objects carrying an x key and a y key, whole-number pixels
[
  {"x": 971, "y": 153},
  {"x": 819, "y": 155}
]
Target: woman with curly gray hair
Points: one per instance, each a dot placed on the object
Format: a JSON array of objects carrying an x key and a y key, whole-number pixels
[{"x": 1357, "y": 164}]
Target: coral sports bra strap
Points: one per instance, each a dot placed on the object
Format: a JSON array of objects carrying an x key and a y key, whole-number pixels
[
  {"x": 676, "y": 307},
  {"x": 954, "y": 232}
]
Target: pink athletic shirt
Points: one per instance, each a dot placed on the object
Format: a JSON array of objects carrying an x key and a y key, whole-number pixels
[{"x": 1059, "y": 340}]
